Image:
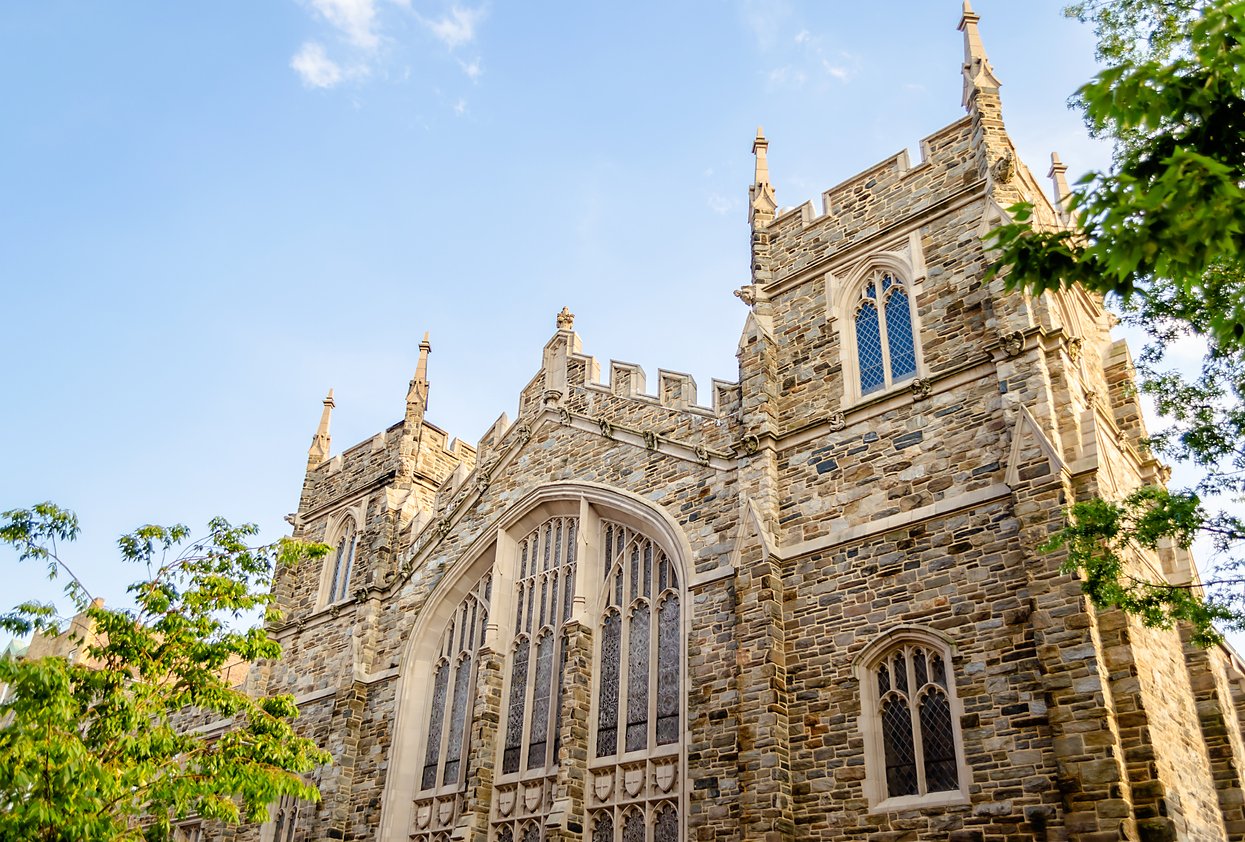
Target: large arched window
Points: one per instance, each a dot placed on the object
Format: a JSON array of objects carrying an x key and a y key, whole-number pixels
[
  {"x": 635, "y": 772},
  {"x": 442, "y": 772},
  {"x": 586, "y": 641},
  {"x": 342, "y": 561},
  {"x": 909, "y": 717},
  {"x": 885, "y": 337}
]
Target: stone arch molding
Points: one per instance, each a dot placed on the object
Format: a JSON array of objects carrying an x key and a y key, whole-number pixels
[{"x": 493, "y": 553}]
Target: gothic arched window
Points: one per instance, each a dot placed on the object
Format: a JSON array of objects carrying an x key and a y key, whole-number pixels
[
  {"x": 587, "y": 643},
  {"x": 912, "y": 732},
  {"x": 885, "y": 335},
  {"x": 441, "y": 775},
  {"x": 638, "y": 724},
  {"x": 342, "y": 560}
]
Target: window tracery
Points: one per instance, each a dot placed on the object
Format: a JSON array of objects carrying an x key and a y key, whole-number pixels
[
  {"x": 885, "y": 333},
  {"x": 343, "y": 562},
  {"x": 635, "y": 766},
  {"x": 441, "y": 778},
  {"x": 913, "y": 734},
  {"x": 622, "y": 662}
]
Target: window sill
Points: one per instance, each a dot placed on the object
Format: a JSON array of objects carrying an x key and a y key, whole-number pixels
[{"x": 921, "y": 802}]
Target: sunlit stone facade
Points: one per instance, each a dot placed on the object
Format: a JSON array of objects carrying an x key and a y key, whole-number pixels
[{"x": 813, "y": 608}]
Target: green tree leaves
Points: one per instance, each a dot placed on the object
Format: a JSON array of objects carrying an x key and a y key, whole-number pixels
[{"x": 103, "y": 747}]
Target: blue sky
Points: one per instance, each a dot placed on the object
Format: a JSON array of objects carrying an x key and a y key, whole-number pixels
[{"x": 214, "y": 212}]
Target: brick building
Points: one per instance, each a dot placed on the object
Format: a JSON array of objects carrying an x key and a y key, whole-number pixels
[{"x": 810, "y": 609}]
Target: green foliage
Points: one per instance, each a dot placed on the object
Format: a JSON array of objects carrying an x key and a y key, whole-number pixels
[
  {"x": 1163, "y": 233},
  {"x": 100, "y": 748},
  {"x": 1101, "y": 535}
]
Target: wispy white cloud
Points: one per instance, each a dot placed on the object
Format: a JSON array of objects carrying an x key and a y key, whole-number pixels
[
  {"x": 720, "y": 204},
  {"x": 787, "y": 76},
  {"x": 360, "y": 43},
  {"x": 803, "y": 36},
  {"x": 457, "y": 27},
  {"x": 355, "y": 19},
  {"x": 460, "y": 107},
  {"x": 837, "y": 71},
  {"x": 315, "y": 67}
]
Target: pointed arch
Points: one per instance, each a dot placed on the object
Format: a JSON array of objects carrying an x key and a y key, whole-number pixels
[
  {"x": 545, "y": 555},
  {"x": 875, "y": 306}
]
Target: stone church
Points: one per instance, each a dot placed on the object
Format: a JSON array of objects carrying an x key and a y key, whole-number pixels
[{"x": 807, "y": 605}]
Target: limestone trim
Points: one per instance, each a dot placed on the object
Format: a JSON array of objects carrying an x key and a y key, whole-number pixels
[
  {"x": 902, "y": 647},
  {"x": 845, "y": 534}
]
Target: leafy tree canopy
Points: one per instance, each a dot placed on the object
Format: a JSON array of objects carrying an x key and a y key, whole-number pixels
[
  {"x": 1163, "y": 232},
  {"x": 101, "y": 747}
]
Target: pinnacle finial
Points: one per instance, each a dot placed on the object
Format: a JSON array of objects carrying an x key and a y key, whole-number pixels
[
  {"x": 978, "y": 74},
  {"x": 1059, "y": 178},
  {"x": 319, "y": 450},
  {"x": 566, "y": 319},
  {"x": 417, "y": 393},
  {"x": 761, "y": 201}
]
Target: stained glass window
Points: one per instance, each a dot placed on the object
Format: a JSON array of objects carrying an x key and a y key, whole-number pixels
[
  {"x": 666, "y": 828},
  {"x": 885, "y": 345},
  {"x": 545, "y": 599},
  {"x": 607, "y": 705},
  {"x": 603, "y": 828},
  {"x": 514, "y": 717},
  {"x": 637, "y": 679},
  {"x": 668, "y": 648},
  {"x": 917, "y": 730},
  {"x": 453, "y": 685},
  {"x": 633, "y": 827},
  {"x": 343, "y": 562},
  {"x": 433, "y": 755},
  {"x": 458, "y": 718}
]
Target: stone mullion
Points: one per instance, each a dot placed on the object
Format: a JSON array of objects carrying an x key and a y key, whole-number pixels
[
  {"x": 566, "y": 820},
  {"x": 1221, "y": 730},
  {"x": 482, "y": 749}
]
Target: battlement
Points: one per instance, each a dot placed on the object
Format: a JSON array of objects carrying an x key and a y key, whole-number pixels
[{"x": 877, "y": 199}]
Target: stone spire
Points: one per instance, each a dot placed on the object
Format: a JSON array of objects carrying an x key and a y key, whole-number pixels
[
  {"x": 761, "y": 202},
  {"x": 417, "y": 394},
  {"x": 1059, "y": 178},
  {"x": 978, "y": 74},
  {"x": 319, "y": 450}
]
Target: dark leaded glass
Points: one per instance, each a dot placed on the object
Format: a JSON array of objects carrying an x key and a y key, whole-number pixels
[
  {"x": 637, "y": 679},
  {"x": 633, "y": 827},
  {"x": 618, "y": 583},
  {"x": 603, "y": 828},
  {"x": 918, "y": 668},
  {"x": 939, "y": 668},
  {"x": 666, "y": 828},
  {"x": 884, "y": 679},
  {"x": 514, "y": 717},
  {"x": 901, "y": 672},
  {"x": 531, "y": 833},
  {"x": 505, "y": 835},
  {"x": 435, "y": 720},
  {"x": 458, "y": 721},
  {"x": 668, "y": 671},
  {"x": 540, "y": 704},
  {"x": 898, "y": 747},
  {"x": 899, "y": 336},
  {"x": 648, "y": 569},
  {"x": 607, "y": 699},
  {"x": 938, "y": 743},
  {"x": 869, "y": 348}
]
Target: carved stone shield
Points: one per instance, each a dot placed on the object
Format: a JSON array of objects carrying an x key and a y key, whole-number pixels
[
  {"x": 633, "y": 781},
  {"x": 505, "y": 801}
]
